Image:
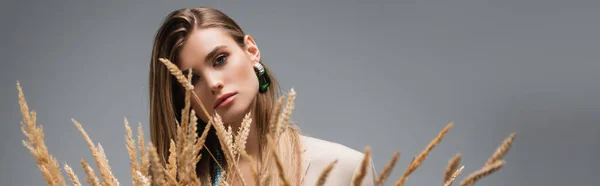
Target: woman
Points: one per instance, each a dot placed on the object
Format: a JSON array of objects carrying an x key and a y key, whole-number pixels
[{"x": 230, "y": 79}]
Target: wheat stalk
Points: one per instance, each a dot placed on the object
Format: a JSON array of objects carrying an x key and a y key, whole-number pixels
[
  {"x": 485, "y": 171},
  {"x": 358, "y": 178},
  {"x": 494, "y": 163},
  {"x": 99, "y": 157},
  {"x": 36, "y": 145},
  {"x": 144, "y": 181},
  {"x": 502, "y": 150},
  {"x": 157, "y": 170},
  {"x": 453, "y": 176},
  {"x": 189, "y": 168},
  {"x": 200, "y": 142},
  {"x": 130, "y": 145},
  {"x": 242, "y": 135},
  {"x": 174, "y": 70},
  {"x": 325, "y": 173},
  {"x": 221, "y": 134},
  {"x": 283, "y": 122},
  {"x": 172, "y": 166},
  {"x": 72, "y": 175},
  {"x": 452, "y": 166},
  {"x": 387, "y": 170},
  {"x": 144, "y": 156},
  {"x": 421, "y": 157},
  {"x": 112, "y": 180},
  {"x": 190, "y": 146},
  {"x": 275, "y": 115},
  {"x": 91, "y": 179}
]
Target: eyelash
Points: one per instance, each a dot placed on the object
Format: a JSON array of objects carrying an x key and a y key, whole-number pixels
[{"x": 215, "y": 63}]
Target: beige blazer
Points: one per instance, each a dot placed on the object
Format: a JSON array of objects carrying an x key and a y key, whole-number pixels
[{"x": 317, "y": 154}]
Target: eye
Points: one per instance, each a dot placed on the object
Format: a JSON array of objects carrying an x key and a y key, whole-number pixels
[{"x": 220, "y": 59}]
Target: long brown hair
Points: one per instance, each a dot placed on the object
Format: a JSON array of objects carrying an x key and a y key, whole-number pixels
[{"x": 167, "y": 95}]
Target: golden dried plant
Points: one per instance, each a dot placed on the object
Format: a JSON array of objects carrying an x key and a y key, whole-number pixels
[{"x": 184, "y": 151}]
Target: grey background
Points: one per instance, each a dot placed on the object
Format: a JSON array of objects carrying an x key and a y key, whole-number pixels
[{"x": 390, "y": 74}]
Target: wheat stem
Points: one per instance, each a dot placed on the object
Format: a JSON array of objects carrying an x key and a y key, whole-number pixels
[
  {"x": 453, "y": 176},
  {"x": 387, "y": 170},
  {"x": 453, "y": 164},
  {"x": 325, "y": 173},
  {"x": 421, "y": 157}
]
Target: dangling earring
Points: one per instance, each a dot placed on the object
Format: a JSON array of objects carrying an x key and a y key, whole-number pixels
[{"x": 263, "y": 77}]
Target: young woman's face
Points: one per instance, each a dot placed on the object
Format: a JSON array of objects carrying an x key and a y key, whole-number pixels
[{"x": 222, "y": 73}]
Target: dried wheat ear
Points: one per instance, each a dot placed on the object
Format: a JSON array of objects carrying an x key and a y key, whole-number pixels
[{"x": 180, "y": 169}]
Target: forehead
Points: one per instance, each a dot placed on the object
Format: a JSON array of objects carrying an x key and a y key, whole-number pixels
[{"x": 201, "y": 42}]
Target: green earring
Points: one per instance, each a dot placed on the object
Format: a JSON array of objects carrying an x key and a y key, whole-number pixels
[{"x": 263, "y": 77}]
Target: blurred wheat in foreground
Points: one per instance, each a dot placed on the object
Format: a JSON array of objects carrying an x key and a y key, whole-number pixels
[{"x": 181, "y": 166}]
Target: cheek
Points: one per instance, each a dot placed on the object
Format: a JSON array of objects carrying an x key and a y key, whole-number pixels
[
  {"x": 197, "y": 108},
  {"x": 243, "y": 74}
]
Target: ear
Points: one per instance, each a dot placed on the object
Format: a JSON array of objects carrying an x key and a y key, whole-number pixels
[{"x": 251, "y": 49}]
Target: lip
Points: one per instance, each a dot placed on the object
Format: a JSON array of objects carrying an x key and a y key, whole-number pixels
[{"x": 223, "y": 99}]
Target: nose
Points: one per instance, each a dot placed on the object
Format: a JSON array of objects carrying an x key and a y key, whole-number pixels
[{"x": 214, "y": 82}]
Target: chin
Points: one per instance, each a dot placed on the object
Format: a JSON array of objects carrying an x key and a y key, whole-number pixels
[{"x": 231, "y": 114}]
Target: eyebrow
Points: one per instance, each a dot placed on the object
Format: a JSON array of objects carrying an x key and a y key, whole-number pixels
[
  {"x": 213, "y": 52},
  {"x": 209, "y": 56}
]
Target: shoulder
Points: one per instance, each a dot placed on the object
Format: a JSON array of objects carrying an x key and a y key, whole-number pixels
[
  {"x": 322, "y": 150},
  {"x": 318, "y": 153}
]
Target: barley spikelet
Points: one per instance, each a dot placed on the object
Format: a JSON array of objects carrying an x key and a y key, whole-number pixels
[
  {"x": 173, "y": 69},
  {"x": 275, "y": 115},
  {"x": 187, "y": 168},
  {"x": 112, "y": 180},
  {"x": 193, "y": 134},
  {"x": 421, "y": 157},
  {"x": 157, "y": 170},
  {"x": 143, "y": 179},
  {"x": 221, "y": 134},
  {"x": 453, "y": 176},
  {"x": 229, "y": 141},
  {"x": 172, "y": 166},
  {"x": 242, "y": 135},
  {"x": 177, "y": 73},
  {"x": 358, "y": 178},
  {"x": 287, "y": 113},
  {"x": 181, "y": 139},
  {"x": 130, "y": 145},
  {"x": 502, "y": 150},
  {"x": 36, "y": 145},
  {"x": 72, "y": 176},
  {"x": 182, "y": 132},
  {"x": 200, "y": 142},
  {"x": 144, "y": 156},
  {"x": 170, "y": 179},
  {"x": 105, "y": 172},
  {"x": 325, "y": 173},
  {"x": 91, "y": 179},
  {"x": 45, "y": 172},
  {"x": 452, "y": 166},
  {"x": 185, "y": 83},
  {"x": 485, "y": 171},
  {"x": 387, "y": 170}
]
